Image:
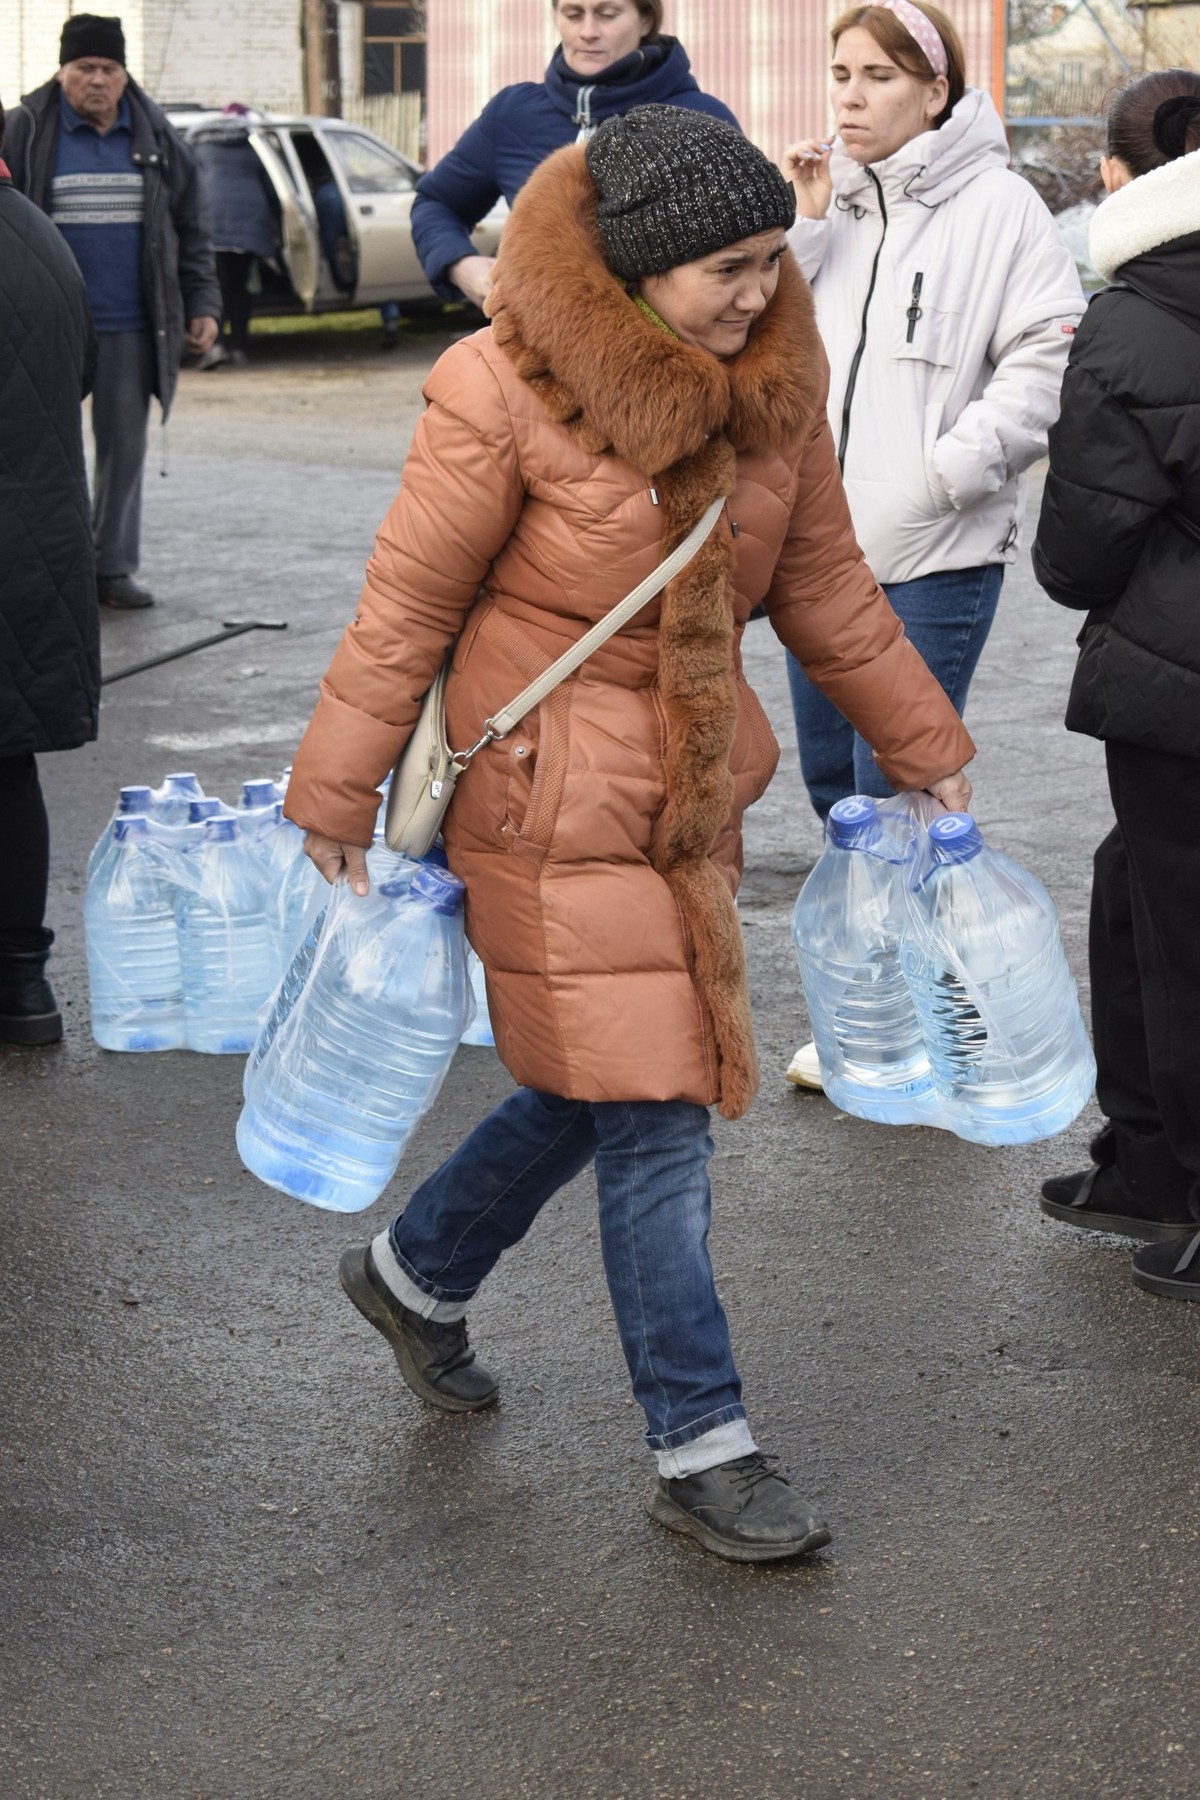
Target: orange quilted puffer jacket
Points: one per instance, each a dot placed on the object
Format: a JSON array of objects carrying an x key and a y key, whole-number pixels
[{"x": 562, "y": 453}]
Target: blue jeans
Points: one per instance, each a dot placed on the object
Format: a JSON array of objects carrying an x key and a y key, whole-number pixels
[
  {"x": 651, "y": 1161},
  {"x": 947, "y": 616}
]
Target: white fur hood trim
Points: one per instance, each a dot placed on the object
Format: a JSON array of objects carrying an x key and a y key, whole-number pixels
[{"x": 1155, "y": 209}]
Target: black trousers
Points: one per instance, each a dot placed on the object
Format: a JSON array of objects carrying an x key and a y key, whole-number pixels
[
  {"x": 27, "y": 829},
  {"x": 237, "y": 302},
  {"x": 1144, "y": 952}
]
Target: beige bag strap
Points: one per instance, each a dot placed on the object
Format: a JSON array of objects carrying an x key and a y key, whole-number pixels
[{"x": 502, "y": 722}]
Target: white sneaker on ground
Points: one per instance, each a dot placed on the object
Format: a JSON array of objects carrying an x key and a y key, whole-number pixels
[{"x": 804, "y": 1070}]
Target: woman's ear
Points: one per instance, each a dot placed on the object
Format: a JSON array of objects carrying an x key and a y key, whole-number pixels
[
  {"x": 937, "y": 94},
  {"x": 1114, "y": 173}
]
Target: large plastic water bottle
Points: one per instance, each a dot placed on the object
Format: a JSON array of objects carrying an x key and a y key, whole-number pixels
[
  {"x": 337, "y": 1081},
  {"x": 479, "y": 1031},
  {"x": 847, "y": 925},
  {"x": 257, "y": 807},
  {"x": 130, "y": 801},
  {"x": 169, "y": 803},
  {"x": 984, "y": 960},
  {"x": 229, "y": 968},
  {"x": 132, "y": 948}
]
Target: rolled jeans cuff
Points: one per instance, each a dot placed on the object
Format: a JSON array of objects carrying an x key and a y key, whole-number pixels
[
  {"x": 402, "y": 1282},
  {"x": 722, "y": 1444}
]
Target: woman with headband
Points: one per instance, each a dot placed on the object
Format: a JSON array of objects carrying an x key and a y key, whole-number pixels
[
  {"x": 1119, "y": 537},
  {"x": 946, "y": 300}
]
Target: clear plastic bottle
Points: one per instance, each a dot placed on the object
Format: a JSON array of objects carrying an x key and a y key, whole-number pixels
[
  {"x": 169, "y": 803},
  {"x": 984, "y": 960},
  {"x": 130, "y": 800},
  {"x": 132, "y": 948},
  {"x": 257, "y": 808},
  {"x": 479, "y": 1031},
  {"x": 846, "y": 926},
  {"x": 341, "y": 1076},
  {"x": 229, "y": 967}
]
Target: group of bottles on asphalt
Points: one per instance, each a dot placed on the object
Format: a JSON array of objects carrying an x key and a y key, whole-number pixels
[
  {"x": 194, "y": 912},
  {"x": 935, "y": 976}
]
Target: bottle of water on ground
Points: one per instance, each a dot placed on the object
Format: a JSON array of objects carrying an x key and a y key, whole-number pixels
[
  {"x": 130, "y": 800},
  {"x": 132, "y": 947},
  {"x": 229, "y": 967},
  {"x": 984, "y": 960},
  {"x": 479, "y": 1031},
  {"x": 340, "y": 1078},
  {"x": 847, "y": 926}
]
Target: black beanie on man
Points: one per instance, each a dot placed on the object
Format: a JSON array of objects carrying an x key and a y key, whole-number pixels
[
  {"x": 675, "y": 185},
  {"x": 91, "y": 34}
]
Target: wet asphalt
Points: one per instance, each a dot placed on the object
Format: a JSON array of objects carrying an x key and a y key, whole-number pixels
[{"x": 240, "y": 1560}]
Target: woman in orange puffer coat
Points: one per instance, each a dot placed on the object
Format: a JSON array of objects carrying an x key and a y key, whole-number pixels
[{"x": 653, "y": 348}]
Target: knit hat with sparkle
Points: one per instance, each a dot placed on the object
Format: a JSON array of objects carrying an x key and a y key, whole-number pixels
[
  {"x": 91, "y": 34},
  {"x": 675, "y": 185}
]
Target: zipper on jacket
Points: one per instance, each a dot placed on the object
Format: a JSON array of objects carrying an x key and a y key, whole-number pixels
[
  {"x": 852, "y": 378},
  {"x": 914, "y": 306}
]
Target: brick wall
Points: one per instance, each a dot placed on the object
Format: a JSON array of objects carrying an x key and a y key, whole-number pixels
[{"x": 212, "y": 51}]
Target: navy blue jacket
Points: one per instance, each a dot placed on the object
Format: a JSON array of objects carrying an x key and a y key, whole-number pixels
[
  {"x": 242, "y": 207},
  {"x": 521, "y": 126}
]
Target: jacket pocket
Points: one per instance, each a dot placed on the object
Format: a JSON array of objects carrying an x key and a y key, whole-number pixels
[
  {"x": 537, "y": 774},
  {"x": 927, "y": 329},
  {"x": 756, "y": 748}
]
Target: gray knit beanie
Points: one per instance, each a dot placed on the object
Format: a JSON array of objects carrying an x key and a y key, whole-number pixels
[{"x": 675, "y": 185}]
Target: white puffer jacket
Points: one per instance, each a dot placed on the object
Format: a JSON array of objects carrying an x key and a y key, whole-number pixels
[{"x": 947, "y": 301}]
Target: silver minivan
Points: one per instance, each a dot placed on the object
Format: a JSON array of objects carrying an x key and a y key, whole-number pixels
[{"x": 376, "y": 260}]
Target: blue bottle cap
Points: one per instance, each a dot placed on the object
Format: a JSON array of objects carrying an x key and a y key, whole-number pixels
[
  {"x": 186, "y": 782},
  {"x": 199, "y": 810},
  {"x": 435, "y": 857},
  {"x": 853, "y": 821},
  {"x": 257, "y": 793},
  {"x": 443, "y": 890},
  {"x": 955, "y": 837},
  {"x": 130, "y": 827},
  {"x": 221, "y": 829},
  {"x": 134, "y": 799}
]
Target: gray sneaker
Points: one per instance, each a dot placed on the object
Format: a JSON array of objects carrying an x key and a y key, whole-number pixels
[
  {"x": 745, "y": 1511},
  {"x": 435, "y": 1360}
]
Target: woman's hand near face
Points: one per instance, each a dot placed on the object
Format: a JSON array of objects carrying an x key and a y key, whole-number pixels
[
  {"x": 472, "y": 276},
  {"x": 954, "y": 792},
  {"x": 806, "y": 166},
  {"x": 330, "y": 858}
]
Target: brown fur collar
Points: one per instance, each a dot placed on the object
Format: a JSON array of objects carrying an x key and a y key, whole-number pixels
[{"x": 618, "y": 384}]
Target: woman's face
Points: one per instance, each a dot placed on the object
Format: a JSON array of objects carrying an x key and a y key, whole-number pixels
[
  {"x": 712, "y": 303},
  {"x": 598, "y": 33},
  {"x": 877, "y": 105}
]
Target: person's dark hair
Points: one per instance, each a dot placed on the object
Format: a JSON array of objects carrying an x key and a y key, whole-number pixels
[
  {"x": 1154, "y": 118},
  {"x": 649, "y": 9},
  {"x": 904, "y": 50}
]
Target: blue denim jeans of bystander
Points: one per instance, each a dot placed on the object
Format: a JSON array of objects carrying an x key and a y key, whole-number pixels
[
  {"x": 947, "y": 616},
  {"x": 651, "y": 1160}
]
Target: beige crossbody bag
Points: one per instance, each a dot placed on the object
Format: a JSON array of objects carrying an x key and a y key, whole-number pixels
[{"x": 426, "y": 771}]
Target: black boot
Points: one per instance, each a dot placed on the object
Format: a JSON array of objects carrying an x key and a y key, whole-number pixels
[
  {"x": 1134, "y": 1188},
  {"x": 28, "y": 1010}
]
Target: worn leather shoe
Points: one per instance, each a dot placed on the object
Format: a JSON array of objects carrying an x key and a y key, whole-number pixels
[
  {"x": 1172, "y": 1270},
  {"x": 122, "y": 591},
  {"x": 28, "y": 1010},
  {"x": 435, "y": 1360},
  {"x": 745, "y": 1511}
]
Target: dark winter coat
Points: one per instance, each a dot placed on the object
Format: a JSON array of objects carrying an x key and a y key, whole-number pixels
[
  {"x": 242, "y": 208},
  {"x": 520, "y": 126},
  {"x": 1124, "y": 482},
  {"x": 49, "y": 628},
  {"x": 179, "y": 276}
]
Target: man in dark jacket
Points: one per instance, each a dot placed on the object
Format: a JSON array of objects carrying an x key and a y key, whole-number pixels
[
  {"x": 95, "y": 153},
  {"x": 49, "y": 627}
]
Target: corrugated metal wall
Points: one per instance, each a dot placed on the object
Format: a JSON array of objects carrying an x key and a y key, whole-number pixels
[{"x": 766, "y": 59}]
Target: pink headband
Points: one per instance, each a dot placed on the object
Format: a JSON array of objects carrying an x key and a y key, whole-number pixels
[{"x": 921, "y": 29}]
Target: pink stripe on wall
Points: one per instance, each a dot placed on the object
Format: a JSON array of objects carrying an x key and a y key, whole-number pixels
[{"x": 767, "y": 59}]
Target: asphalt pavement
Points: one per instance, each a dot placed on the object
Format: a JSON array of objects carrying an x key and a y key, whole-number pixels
[{"x": 240, "y": 1561}]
